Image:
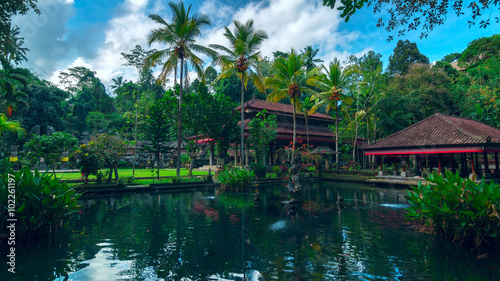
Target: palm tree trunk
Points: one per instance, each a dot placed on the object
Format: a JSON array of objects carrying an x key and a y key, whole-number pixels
[
  {"x": 135, "y": 145},
  {"x": 179, "y": 119},
  {"x": 354, "y": 144},
  {"x": 337, "y": 133},
  {"x": 307, "y": 130},
  {"x": 242, "y": 147},
  {"x": 294, "y": 130}
]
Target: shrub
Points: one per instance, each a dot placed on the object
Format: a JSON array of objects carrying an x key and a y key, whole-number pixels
[
  {"x": 280, "y": 171},
  {"x": 43, "y": 204},
  {"x": 235, "y": 178},
  {"x": 258, "y": 169},
  {"x": 457, "y": 208}
]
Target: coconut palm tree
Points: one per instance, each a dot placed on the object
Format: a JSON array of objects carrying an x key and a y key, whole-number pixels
[
  {"x": 307, "y": 108},
  {"x": 331, "y": 84},
  {"x": 309, "y": 61},
  {"x": 241, "y": 58},
  {"x": 180, "y": 38},
  {"x": 289, "y": 79},
  {"x": 12, "y": 46}
]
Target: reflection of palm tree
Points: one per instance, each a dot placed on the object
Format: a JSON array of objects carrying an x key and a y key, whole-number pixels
[
  {"x": 242, "y": 59},
  {"x": 289, "y": 79},
  {"x": 179, "y": 36},
  {"x": 332, "y": 84}
]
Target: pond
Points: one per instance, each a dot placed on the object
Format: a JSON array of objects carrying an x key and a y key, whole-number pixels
[{"x": 203, "y": 235}]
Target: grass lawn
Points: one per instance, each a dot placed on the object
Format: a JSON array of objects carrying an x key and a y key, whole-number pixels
[{"x": 138, "y": 173}]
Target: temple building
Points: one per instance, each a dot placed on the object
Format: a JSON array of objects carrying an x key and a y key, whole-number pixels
[{"x": 437, "y": 143}]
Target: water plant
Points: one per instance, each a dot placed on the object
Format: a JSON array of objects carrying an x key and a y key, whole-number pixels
[
  {"x": 235, "y": 178},
  {"x": 42, "y": 203},
  {"x": 457, "y": 208}
]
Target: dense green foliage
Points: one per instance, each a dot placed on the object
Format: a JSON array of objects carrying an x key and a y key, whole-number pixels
[
  {"x": 457, "y": 208},
  {"x": 50, "y": 148},
  {"x": 43, "y": 204},
  {"x": 258, "y": 169},
  {"x": 235, "y": 178}
]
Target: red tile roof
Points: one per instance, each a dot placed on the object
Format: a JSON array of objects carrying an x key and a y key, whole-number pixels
[
  {"x": 279, "y": 108},
  {"x": 439, "y": 130}
]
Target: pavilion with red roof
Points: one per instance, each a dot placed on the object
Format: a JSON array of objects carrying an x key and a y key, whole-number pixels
[{"x": 442, "y": 141}]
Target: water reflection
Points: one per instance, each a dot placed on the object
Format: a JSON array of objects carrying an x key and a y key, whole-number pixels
[{"x": 203, "y": 235}]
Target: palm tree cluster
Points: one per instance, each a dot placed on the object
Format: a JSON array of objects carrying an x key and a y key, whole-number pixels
[{"x": 289, "y": 76}]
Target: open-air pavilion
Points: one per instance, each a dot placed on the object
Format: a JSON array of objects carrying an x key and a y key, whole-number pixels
[{"x": 440, "y": 142}]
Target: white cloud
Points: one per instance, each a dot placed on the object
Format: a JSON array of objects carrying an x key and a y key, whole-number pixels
[{"x": 290, "y": 24}]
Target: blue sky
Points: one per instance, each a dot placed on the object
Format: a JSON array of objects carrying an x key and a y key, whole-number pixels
[{"x": 93, "y": 33}]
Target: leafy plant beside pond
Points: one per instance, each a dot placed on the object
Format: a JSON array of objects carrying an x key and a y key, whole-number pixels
[
  {"x": 235, "y": 178},
  {"x": 258, "y": 169},
  {"x": 43, "y": 204},
  {"x": 457, "y": 208}
]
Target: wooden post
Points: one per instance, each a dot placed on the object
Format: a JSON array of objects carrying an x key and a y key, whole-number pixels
[
  {"x": 381, "y": 161},
  {"x": 211, "y": 153},
  {"x": 477, "y": 163},
  {"x": 486, "y": 164},
  {"x": 497, "y": 170},
  {"x": 440, "y": 168},
  {"x": 472, "y": 163}
]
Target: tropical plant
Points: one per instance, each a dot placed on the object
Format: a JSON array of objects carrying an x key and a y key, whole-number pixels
[
  {"x": 307, "y": 108},
  {"x": 10, "y": 126},
  {"x": 309, "y": 61},
  {"x": 43, "y": 204},
  {"x": 242, "y": 59},
  {"x": 10, "y": 80},
  {"x": 258, "y": 169},
  {"x": 235, "y": 178},
  {"x": 457, "y": 208},
  {"x": 12, "y": 46},
  {"x": 331, "y": 84},
  {"x": 289, "y": 79},
  {"x": 179, "y": 35}
]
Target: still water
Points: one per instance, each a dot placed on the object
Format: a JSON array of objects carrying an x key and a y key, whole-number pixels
[{"x": 203, "y": 235}]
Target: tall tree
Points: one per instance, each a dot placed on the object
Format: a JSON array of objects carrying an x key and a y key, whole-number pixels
[
  {"x": 289, "y": 79},
  {"x": 405, "y": 53},
  {"x": 12, "y": 46},
  {"x": 158, "y": 126},
  {"x": 332, "y": 84},
  {"x": 180, "y": 37},
  {"x": 242, "y": 59}
]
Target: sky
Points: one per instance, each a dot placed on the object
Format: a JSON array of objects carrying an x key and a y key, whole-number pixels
[{"x": 94, "y": 33}]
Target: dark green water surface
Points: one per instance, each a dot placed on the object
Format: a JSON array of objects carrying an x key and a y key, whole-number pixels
[{"x": 203, "y": 235}]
